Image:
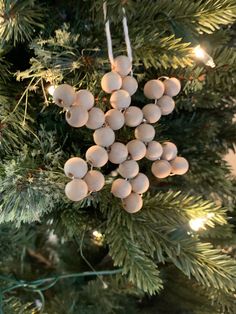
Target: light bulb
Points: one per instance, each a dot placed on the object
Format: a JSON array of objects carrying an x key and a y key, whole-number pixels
[
  {"x": 197, "y": 224},
  {"x": 51, "y": 89},
  {"x": 97, "y": 235},
  {"x": 202, "y": 55}
]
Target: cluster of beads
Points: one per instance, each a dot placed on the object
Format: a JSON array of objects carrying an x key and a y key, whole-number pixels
[{"x": 80, "y": 112}]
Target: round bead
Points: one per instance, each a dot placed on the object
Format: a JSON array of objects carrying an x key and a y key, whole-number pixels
[
  {"x": 172, "y": 86},
  {"x": 97, "y": 156},
  {"x": 140, "y": 184},
  {"x": 154, "y": 89},
  {"x": 95, "y": 180},
  {"x": 120, "y": 99},
  {"x": 179, "y": 165},
  {"x": 129, "y": 84},
  {"x": 104, "y": 137},
  {"x": 161, "y": 169},
  {"x": 169, "y": 151},
  {"x": 84, "y": 98},
  {"x": 64, "y": 95},
  {"x": 133, "y": 203},
  {"x": 152, "y": 113},
  {"x": 77, "y": 116},
  {"x": 111, "y": 82},
  {"x": 96, "y": 118},
  {"x": 128, "y": 169},
  {"x": 154, "y": 150},
  {"x": 136, "y": 149},
  {"x": 166, "y": 104},
  {"x": 76, "y": 190},
  {"x": 133, "y": 116},
  {"x": 122, "y": 65},
  {"x": 118, "y": 153},
  {"x": 75, "y": 167},
  {"x": 145, "y": 132},
  {"x": 115, "y": 119},
  {"x": 121, "y": 188}
]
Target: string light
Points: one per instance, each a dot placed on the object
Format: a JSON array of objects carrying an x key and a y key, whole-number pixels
[
  {"x": 202, "y": 55},
  {"x": 51, "y": 89},
  {"x": 199, "y": 223}
]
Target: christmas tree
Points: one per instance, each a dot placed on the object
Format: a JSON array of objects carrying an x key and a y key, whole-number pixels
[{"x": 176, "y": 254}]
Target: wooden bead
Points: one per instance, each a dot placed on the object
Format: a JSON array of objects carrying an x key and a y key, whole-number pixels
[
  {"x": 75, "y": 167},
  {"x": 95, "y": 180},
  {"x": 121, "y": 188},
  {"x": 122, "y": 65},
  {"x": 169, "y": 151},
  {"x": 152, "y": 113},
  {"x": 179, "y": 165},
  {"x": 154, "y": 150},
  {"x": 133, "y": 203},
  {"x": 172, "y": 86},
  {"x": 145, "y": 132},
  {"x": 96, "y": 119},
  {"x": 161, "y": 169},
  {"x": 64, "y": 95},
  {"x": 129, "y": 84},
  {"x": 120, "y": 99},
  {"x": 140, "y": 183},
  {"x": 133, "y": 116},
  {"x": 76, "y": 190},
  {"x": 104, "y": 137},
  {"x": 77, "y": 116},
  {"x": 166, "y": 104},
  {"x": 97, "y": 156},
  {"x": 136, "y": 149},
  {"x": 154, "y": 89},
  {"x": 128, "y": 169},
  {"x": 115, "y": 119},
  {"x": 111, "y": 82},
  {"x": 118, "y": 153},
  {"x": 84, "y": 98}
]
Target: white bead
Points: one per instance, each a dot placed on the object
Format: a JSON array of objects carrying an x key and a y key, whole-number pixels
[
  {"x": 77, "y": 116},
  {"x": 104, "y": 137},
  {"x": 121, "y": 188},
  {"x": 169, "y": 151},
  {"x": 152, "y": 113},
  {"x": 120, "y": 99},
  {"x": 111, "y": 82},
  {"x": 96, "y": 118},
  {"x": 128, "y": 169},
  {"x": 136, "y": 149},
  {"x": 133, "y": 116},
  {"x": 115, "y": 119},
  {"x": 84, "y": 98},
  {"x": 122, "y": 65},
  {"x": 154, "y": 150},
  {"x": 179, "y": 165},
  {"x": 118, "y": 153},
  {"x": 140, "y": 184},
  {"x": 161, "y": 169},
  {"x": 172, "y": 86},
  {"x": 76, "y": 190},
  {"x": 129, "y": 84},
  {"x": 95, "y": 180},
  {"x": 154, "y": 89},
  {"x": 75, "y": 167},
  {"x": 133, "y": 203},
  {"x": 64, "y": 95},
  {"x": 97, "y": 156},
  {"x": 166, "y": 104},
  {"x": 145, "y": 132}
]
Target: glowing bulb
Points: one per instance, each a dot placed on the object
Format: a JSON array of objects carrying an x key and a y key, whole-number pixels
[
  {"x": 202, "y": 55},
  {"x": 196, "y": 224},
  {"x": 51, "y": 89},
  {"x": 97, "y": 235}
]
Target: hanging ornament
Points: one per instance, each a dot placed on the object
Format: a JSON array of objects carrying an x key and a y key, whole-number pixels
[
  {"x": 133, "y": 116},
  {"x": 140, "y": 183},
  {"x": 129, "y": 84},
  {"x": 64, "y": 95},
  {"x": 95, "y": 180},
  {"x": 111, "y": 82},
  {"x": 118, "y": 153},
  {"x": 84, "y": 98},
  {"x": 76, "y": 190},
  {"x": 121, "y": 188},
  {"x": 77, "y": 116},
  {"x": 96, "y": 118},
  {"x": 115, "y": 119}
]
